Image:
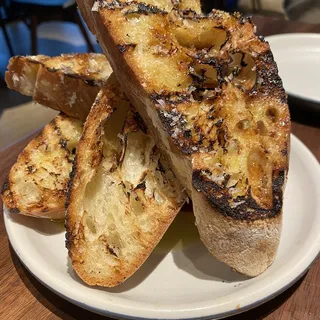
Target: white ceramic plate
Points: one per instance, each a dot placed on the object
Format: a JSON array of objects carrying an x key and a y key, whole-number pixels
[
  {"x": 298, "y": 59},
  {"x": 181, "y": 280}
]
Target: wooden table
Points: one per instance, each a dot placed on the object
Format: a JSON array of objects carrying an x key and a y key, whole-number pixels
[{"x": 23, "y": 297}]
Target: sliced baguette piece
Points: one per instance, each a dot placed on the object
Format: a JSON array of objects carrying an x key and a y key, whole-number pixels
[
  {"x": 37, "y": 183},
  {"x": 67, "y": 83},
  {"x": 122, "y": 195},
  {"x": 208, "y": 89}
]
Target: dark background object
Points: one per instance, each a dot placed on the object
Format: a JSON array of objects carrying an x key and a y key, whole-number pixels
[
  {"x": 208, "y": 5},
  {"x": 39, "y": 13},
  {"x": 28, "y": 15},
  {"x": 226, "y": 5},
  {"x": 32, "y": 14},
  {"x": 304, "y": 110}
]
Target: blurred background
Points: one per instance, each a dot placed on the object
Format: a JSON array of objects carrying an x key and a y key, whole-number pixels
[{"x": 51, "y": 27}]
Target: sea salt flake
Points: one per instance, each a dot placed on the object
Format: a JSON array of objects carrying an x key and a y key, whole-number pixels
[
  {"x": 96, "y": 6},
  {"x": 236, "y": 203},
  {"x": 72, "y": 99},
  {"x": 175, "y": 133},
  {"x": 15, "y": 79}
]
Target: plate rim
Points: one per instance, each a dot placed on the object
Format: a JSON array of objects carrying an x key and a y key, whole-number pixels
[
  {"x": 207, "y": 314},
  {"x": 293, "y": 35}
]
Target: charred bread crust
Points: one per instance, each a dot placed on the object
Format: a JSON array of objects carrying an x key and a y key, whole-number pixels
[
  {"x": 6, "y": 185},
  {"x": 7, "y": 197},
  {"x": 143, "y": 8},
  {"x": 247, "y": 209}
]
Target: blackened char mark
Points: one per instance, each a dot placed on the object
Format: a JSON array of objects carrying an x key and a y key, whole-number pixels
[
  {"x": 190, "y": 14},
  {"x": 142, "y": 126},
  {"x": 69, "y": 187},
  {"x": 52, "y": 69},
  {"x": 278, "y": 182},
  {"x": 68, "y": 236},
  {"x": 172, "y": 98},
  {"x": 145, "y": 9},
  {"x": 63, "y": 143},
  {"x": 243, "y": 20},
  {"x": 124, "y": 47},
  {"x": 111, "y": 251},
  {"x": 182, "y": 142},
  {"x": 92, "y": 83},
  {"x": 284, "y": 152},
  {"x": 124, "y": 144},
  {"x": 112, "y": 5},
  {"x": 261, "y": 38},
  {"x": 197, "y": 78},
  {"x": 249, "y": 210},
  {"x": 227, "y": 36},
  {"x": 268, "y": 77},
  {"x": 221, "y": 65},
  {"x": 84, "y": 78},
  {"x": 219, "y": 123},
  {"x": 14, "y": 210},
  {"x": 141, "y": 185},
  {"x": 187, "y": 134},
  {"x": 55, "y": 126},
  {"x": 31, "y": 169},
  {"x": 222, "y": 136},
  {"x": 160, "y": 168},
  {"x": 6, "y": 185}
]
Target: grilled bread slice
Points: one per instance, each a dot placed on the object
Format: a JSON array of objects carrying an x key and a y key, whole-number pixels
[
  {"x": 122, "y": 195},
  {"x": 208, "y": 89},
  {"x": 67, "y": 83},
  {"x": 37, "y": 182}
]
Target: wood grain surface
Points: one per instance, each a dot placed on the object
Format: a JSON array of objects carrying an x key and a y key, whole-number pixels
[{"x": 23, "y": 297}]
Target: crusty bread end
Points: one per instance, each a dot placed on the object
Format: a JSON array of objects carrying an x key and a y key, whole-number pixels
[{"x": 68, "y": 83}]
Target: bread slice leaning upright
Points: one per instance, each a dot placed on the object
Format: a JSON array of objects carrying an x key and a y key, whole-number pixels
[
  {"x": 37, "y": 182},
  {"x": 208, "y": 89},
  {"x": 122, "y": 195}
]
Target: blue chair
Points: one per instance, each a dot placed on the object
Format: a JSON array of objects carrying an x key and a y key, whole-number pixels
[
  {"x": 54, "y": 3},
  {"x": 33, "y": 12},
  {"x": 6, "y": 17},
  {"x": 227, "y": 5}
]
